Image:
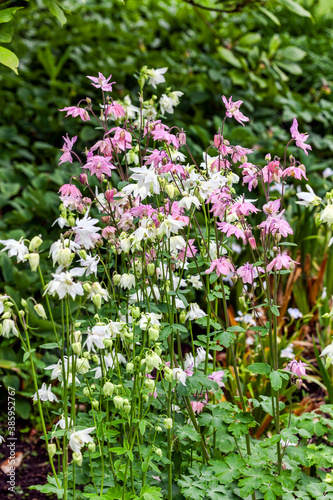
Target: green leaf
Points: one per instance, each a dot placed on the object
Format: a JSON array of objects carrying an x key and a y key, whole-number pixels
[
  {"x": 293, "y": 69},
  {"x": 275, "y": 310},
  {"x": 50, "y": 345},
  {"x": 229, "y": 57},
  {"x": 7, "y": 15},
  {"x": 296, "y": 8},
  {"x": 142, "y": 427},
  {"x": 270, "y": 15},
  {"x": 187, "y": 431},
  {"x": 260, "y": 368},
  {"x": 292, "y": 53},
  {"x": 57, "y": 11},
  {"x": 226, "y": 338},
  {"x": 6, "y": 32},
  {"x": 269, "y": 495},
  {"x": 12, "y": 381},
  {"x": 229, "y": 470},
  {"x": 276, "y": 380},
  {"x": 9, "y": 59},
  {"x": 249, "y": 39}
]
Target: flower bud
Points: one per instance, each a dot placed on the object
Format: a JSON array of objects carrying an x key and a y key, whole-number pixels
[
  {"x": 182, "y": 316},
  {"x": 158, "y": 452},
  {"x": 6, "y": 315},
  {"x": 127, "y": 406},
  {"x": 24, "y": 303},
  {"x": 86, "y": 392},
  {"x": 158, "y": 350},
  {"x": 109, "y": 194},
  {"x": 159, "y": 429},
  {"x": 170, "y": 190},
  {"x": 65, "y": 257},
  {"x": 95, "y": 358},
  {"x": 182, "y": 138},
  {"x": 97, "y": 300},
  {"x": 108, "y": 389},
  {"x": 149, "y": 384},
  {"x": 77, "y": 336},
  {"x": 83, "y": 179},
  {"x": 95, "y": 404},
  {"x": 168, "y": 374},
  {"x": 105, "y": 219},
  {"x": 51, "y": 449},
  {"x": 129, "y": 367},
  {"x": 108, "y": 343},
  {"x": 86, "y": 354},
  {"x": 87, "y": 287},
  {"x": 168, "y": 423},
  {"x": 299, "y": 383},
  {"x": 77, "y": 458},
  {"x": 145, "y": 398},
  {"x": 151, "y": 269},
  {"x": 92, "y": 447},
  {"x": 34, "y": 261},
  {"x": 135, "y": 312},
  {"x": 118, "y": 402},
  {"x": 77, "y": 348},
  {"x": 153, "y": 333},
  {"x": 116, "y": 279},
  {"x": 35, "y": 243},
  {"x": 218, "y": 140}
]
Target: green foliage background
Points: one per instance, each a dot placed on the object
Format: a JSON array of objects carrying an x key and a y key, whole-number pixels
[{"x": 276, "y": 56}]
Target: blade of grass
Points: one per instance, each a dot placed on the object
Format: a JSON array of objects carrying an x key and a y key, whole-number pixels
[{"x": 323, "y": 373}]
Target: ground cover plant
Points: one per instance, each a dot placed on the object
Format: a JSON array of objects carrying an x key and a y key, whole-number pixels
[{"x": 152, "y": 389}]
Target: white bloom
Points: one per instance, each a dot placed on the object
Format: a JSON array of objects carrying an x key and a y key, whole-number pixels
[
  {"x": 295, "y": 313},
  {"x": 86, "y": 234},
  {"x": 328, "y": 172},
  {"x": 195, "y": 281},
  {"x": 63, "y": 285},
  {"x": 130, "y": 110},
  {"x": 62, "y": 423},
  {"x": 58, "y": 246},
  {"x": 288, "y": 352},
  {"x": 156, "y": 76},
  {"x": 177, "y": 243},
  {"x": 180, "y": 375},
  {"x": 8, "y": 326},
  {"x": 168, "y": 102},
  {"x": 62, "y": 222},
  {"x": 327, "y": 215},
  {"x": 195, "y": 312},
  {"x": 245, "y": 318},
  {"x": 56, "y": 371},
  {"x": 328, "y": 351},
  {"x": 90, "y": 264},
  {"x": 170, "y": 225},
  {"x": 127, "y": 281},
  {"x": 3, "y": 298},
  {"x": 308, "y": 199},
  {"x": 15, "y": 248},
  {"x": 146, "y": 177},
  {"x": 45, "y": 394},
  {"x": 149, "y": 319},
  {"x": 95, "y": 338},
  {"x": 79, "y": 438},
  {"x": 96, "y": 289},
  {"x": 187, "y": 201}
]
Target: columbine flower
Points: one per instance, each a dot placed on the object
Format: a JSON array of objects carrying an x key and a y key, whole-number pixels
[
  {"x": 217, "y": 377},
  {"x": 149, "y": 319},
  {"x": 308, "y": 199},
  {"x": 195, "y": 312},
  {"x": 86, "y": 233},
  {"x": 248, "y": 273},
  {"x": 297, "y": 368},
  {"x": 101, "y": 82},
  {"x": 76, "y": 111},
  {"x": 67, "y": 148},
  {"x": 8, "y": 326},
  {"x": 325, "y": 216},
  {"x": 222, "y": 265},
  {"x": 295, "y": 313},
  {"x": 63, "y": 284},
  {"x": 299, "y": 138},
  {"x": 288, "y": 352},
  {"x": 15, "y": 248},
  {"x": 79, "y": 438},
  {"x": 168, "y": 102},
  {"x": 156, "y": 76},
  {"x": 195, "y": 281},
  {"x": 99, "y": 165},
  {"x": 45, "y": 394},
  {"x": 281, "y": 261},
  {"x": 233, "y": 110},
  {"x": 127, "y": 281},
  {"x": 90, "y": 264},
  {"x": 328, "y": 351}
]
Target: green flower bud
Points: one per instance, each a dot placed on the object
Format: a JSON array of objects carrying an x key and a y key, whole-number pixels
[
  {"x": 108, "y": 343},
  {"x": 51, "y": 449},
  {"x": 182, "y": 316},
  {"x": 127, "y": 406},
  {"x": 97, "y": 300},
  {"x": 40, "y": 311},
  {"x": 118, "y": 402},
  {"x": 168, "y": 374},
  {"x": 77, "y": 458},
  {"x": 135, "y": 312},
  {"x": 151, "y": 269},
  {"x": 108, "y": 389},
  {"x": 95, "y": 404},
  {"x": 170, "y": 190},
  {"x": 77, "y": 347},
  {"x": 24, "y": 303},
  {"x": 168, "y": 423},
  {"x": 95, "y": 358},
  {"x": 129, "y": 367},
  {"x": 150, "y": 384},
  {"x": 35, "y": 243},
  {"x": 116, "y": 279},
  {"x": 65, "y": 257},
  {"x": 86, "y": 392},
  {"x": 33, "y": 261},
  {"x": 87, "y": 287},
  {"x": 71, "y": 220},
  {"x": 145, "y": 398},
  {"x": 92, "y": 447},
  {"x": 153, "y": 333},
  {"x": 158, "y": 452}
]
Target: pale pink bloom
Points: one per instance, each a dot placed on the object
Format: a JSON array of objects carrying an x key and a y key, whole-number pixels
[
  {"x": 101, "y": 82},
  {"x": 299, "y": 138},
  {"x": 281, "y": 261},
  {"x": 70, "y": 190},
  {"x": 104, "y": 146},
  {"x": 272, "y": 172},
  {"x": 122, "y": 138},
  {"x": 296, "y": 172},
  {"x": 217, "y": 377},
  {"x": 233, "y": 110},
  {"x": 243, "y": 208},
  {"x": 157, "y": 478},
  {"x": 115, "y": 109},
  {"x": 250, "y": 175},
  {"x": 222, "y": 265},
  {"x": 67, "y": 148},
  {"x": 276, "y": 225},
  {"x": 248, "y": 273},
  {"x": 171, "y": 167},
  {"x": 272, "y": 207},
  {"x": 99, "y": 165},
  {"x": 163, "y": 135},
  {"x": 197, "y": 406},
  {"x": 230, "y": 229},
  {"x": 238, "y": 153},
  {"x": 155, "y": 157},
  {"x": 190, "y": 250},
  {"x": 220, "y": 200},
  {"x": 297, "y": 368},
  {"x": 108, "y": 232},
  {"x": 76, "y": 111}
]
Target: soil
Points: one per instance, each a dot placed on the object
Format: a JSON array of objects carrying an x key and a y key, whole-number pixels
[{"x": 32, "y": 471}]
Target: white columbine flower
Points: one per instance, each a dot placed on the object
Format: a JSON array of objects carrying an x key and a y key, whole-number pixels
[
  {"x": 170, "y": 225},
  {"x": 63, "y": 285},
  {"x": 295, "y": 313},
  {"x": 149, "y": 319},
  {"x": 90, "y": 264},
  {"x": 8, "y": 326},
  {"x": 327, "y": 215},
  {"x": 195, "y": 281},
  {"x": 180, "y": 375},
  {"x": 15, "y": 248},
  {"x": 188, "y": 200},
  {"x": 328, "y": 351},
  {"x": 168, "y": 102},
  {"x": 79, "y": 438},
  {"x": 86, "y": 234},
  {"x": 95, "y": 338},
  {"x": 156, "y": 76},
  {"x": 195, "y": 312},
  {"x": 45, "y": 394},
  {"x": 288, "y": 352},
  {"x": 58, "y": 246},
  {"x": 127, "y": 281},
  {"x": 308, "y": 199}
]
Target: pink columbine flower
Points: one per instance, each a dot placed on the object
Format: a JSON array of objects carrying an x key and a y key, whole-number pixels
[
  {"x": 104, "y": 146},
  {"x": 276, "y": 225},
  {"x": 248, "y": 273},
  {"x": 250, "y": 175},
  {"x": 99, "y": 165},
  {"x": 101, "y": 82},
  {"x": 233, "y": 110},
  {"x": 230, "y": 229},
  {"x": 297, "y": 368},
  {"x": 116, "y": 110},
  {"x": 217, "y": 377},
  {"x": 272, "y": 172},
  {"x": 220, "y": 200},
  {"x": 70, "y": 195},
  {"x": 156, "y": 157},
  {"x": 238, "y": 153},
  {"x": 294, "y": 171},
  {"x": 67, "y": 148},
  {"x": 299, "y": 138},
  {"x": 222, "y": 265},
  {"x": 197, "y": 406},
  {"x": 281, "y": 261},
  {"x": 163, "y": 135},
  {"x": 190, "y": 251},
  {"x": 272, "y": 207},
  {"x": 122, "y": 138},
  {"x": 76, "y": 111},
  {"x": 243, "y": 208}
]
